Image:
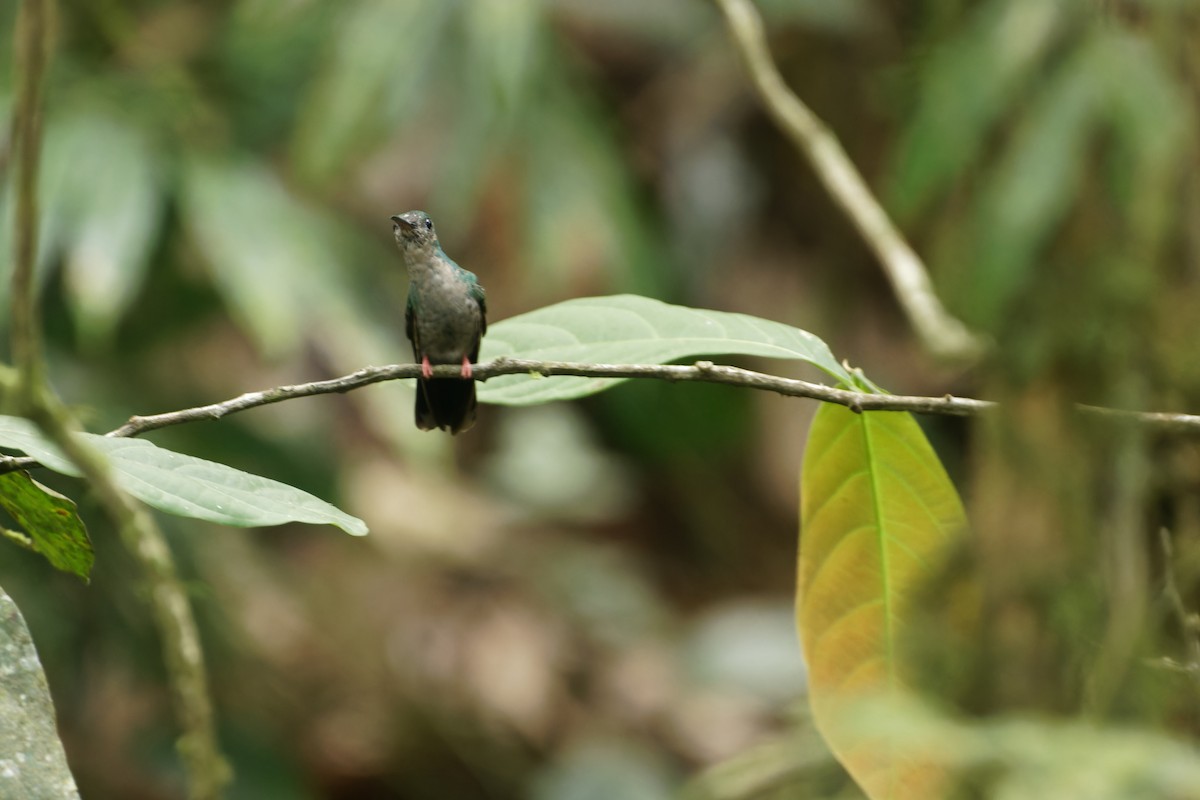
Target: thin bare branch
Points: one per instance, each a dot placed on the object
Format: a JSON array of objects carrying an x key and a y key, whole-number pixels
[
  {"x": 704, "y": 371},
  {"x": 940, "y": 333}
]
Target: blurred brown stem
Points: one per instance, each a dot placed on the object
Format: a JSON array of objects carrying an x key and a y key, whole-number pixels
[
  {"x": 939, "y": 332},
  {"x": 206, "y": 770},
  {"x": 31, "y": 60}
]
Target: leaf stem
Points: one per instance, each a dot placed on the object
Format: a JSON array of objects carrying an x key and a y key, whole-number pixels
[{"x": 206, "y": 770}]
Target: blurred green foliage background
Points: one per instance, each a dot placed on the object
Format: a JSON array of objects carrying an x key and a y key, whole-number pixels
[{"x": 594, "y": 599}]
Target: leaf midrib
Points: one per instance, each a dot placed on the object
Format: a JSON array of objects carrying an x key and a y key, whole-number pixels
[{"x": 884, "y": 569}]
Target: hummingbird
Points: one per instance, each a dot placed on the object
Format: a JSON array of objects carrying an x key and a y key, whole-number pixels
[{"x": 445, "y": 319}]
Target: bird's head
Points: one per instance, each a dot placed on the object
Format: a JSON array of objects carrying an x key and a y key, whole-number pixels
[{"x": 414, "y": 231}]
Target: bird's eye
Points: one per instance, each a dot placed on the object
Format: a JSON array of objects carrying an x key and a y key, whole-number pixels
[{"x": 428, "y": 224}]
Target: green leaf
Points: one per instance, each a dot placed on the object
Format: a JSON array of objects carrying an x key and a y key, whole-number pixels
[
  {"x": 878, "y": 516},
  {"x": 101, "y": 200},
  {"x": 846, "y": 17},
  {"x": 1019, "y": 755},
  {"x": 34, "y": 764},
  {"x": 377, "y": 69},
  {"x": 1153, "y": 124},
  {"x": 113, "y": 208},
  {"x": 501, "y": 42},
  {"x": 1033, "y": 186},
  {"x": 580, "y": 207},
  {"x": 627, "y": 329},
  {"x": 967, "y": 86},
  {"x": 186, "y": 486},
  {"x": 51, "y": 522}
]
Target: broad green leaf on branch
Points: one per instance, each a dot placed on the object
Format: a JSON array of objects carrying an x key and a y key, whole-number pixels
[
  {"x": 878, "y": 516},
  {"x": 33, "y": 765},
  {"x": 50, "y": 522},
  {"x": 184, "y": 485},
  {"x": 628, "y": 329}
]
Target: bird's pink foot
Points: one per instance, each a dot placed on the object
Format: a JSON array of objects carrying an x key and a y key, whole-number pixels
[
  {"x": 465, "y": 371},
  {"x": 426, "y": 368}
]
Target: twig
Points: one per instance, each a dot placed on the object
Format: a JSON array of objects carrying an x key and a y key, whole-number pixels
[
  {"x": 703, "y": 371},
  {"x": 941, "y": 333},
  {"x": 1189, "y": 622},
  {"x": 206, "y": 770}
]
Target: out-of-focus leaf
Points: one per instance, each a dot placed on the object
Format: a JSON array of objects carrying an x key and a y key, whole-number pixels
[
  {"x": 844, "y": 16},
  {"x": 1015, "y": 757},
  {"x": 380, "y": 62},
  {"x": 1147, "y": 105},
  {"x": 271, "y": 256},
  {"x": 604, "y": 592},
  {"x": 54, "y": 196},
  {"x": 504, "y": 49},
  {"x": 792, "y": 765},
  {"x": 1153, "y": 120},
  {"x": 749, "y": 647},
  {"x": 500, "y": 40},
  {"x": 33, "y": 765},
  {"x": 184, "y": 485},
  {"x": 627, "y": 329},
  {"x": 600, "y": 770},
  {"x": 50, "y": 521},
  {"x": 1033, "y": 186},
  {"x": 583, "y": 483},
  {"x": 674, "y": 23},
  {"x": 878, "y": 515},
  {"x": 116, "y": 204},
  {"x": 583, "y": 226},
  {"x": 966, "y": 87},
  {"x": 101, "y": 205}
]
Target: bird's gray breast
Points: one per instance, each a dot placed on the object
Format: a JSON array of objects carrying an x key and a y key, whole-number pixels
[{"x": 448, "y": 318}]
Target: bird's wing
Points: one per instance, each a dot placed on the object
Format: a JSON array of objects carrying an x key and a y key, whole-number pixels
[
  {"x": 480, "y": 296},
  {"x": 410, "y": 326}
]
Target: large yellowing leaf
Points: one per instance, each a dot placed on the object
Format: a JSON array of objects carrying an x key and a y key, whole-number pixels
[{"x": 878, "y": 515}]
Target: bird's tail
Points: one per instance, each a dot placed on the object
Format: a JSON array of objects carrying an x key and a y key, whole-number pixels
[{"x": 447, "y": 403}]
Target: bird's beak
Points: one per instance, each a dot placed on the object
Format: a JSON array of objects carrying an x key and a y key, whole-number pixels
[{"x": 402, "y": 222}]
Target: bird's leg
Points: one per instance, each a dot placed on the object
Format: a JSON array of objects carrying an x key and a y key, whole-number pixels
[
  {"x": 465, "y": 371},
  {"x": 426, "y": 368}
]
